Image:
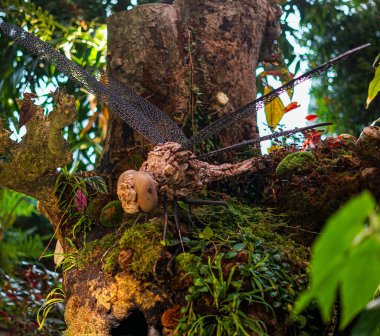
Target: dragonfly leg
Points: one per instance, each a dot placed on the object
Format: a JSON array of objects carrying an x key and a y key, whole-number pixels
[
  {"x": 204, "y": 202},
  {"x": 166, "y": 220},
  {"x": 176, "y": 220},
  {"x": 169, "y": 266},
  {"x": 138, "y": 218}
]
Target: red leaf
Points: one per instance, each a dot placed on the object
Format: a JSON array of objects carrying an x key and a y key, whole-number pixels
[
  {"x": 291, "y": 106},
  {"x": 4, "y": 314},
  {"x": 27, "y": 108},
  {"x": 38, "y": 296},
  {"x": 80, "y": 200},
  {"x": 311, "y": 117},
  {"x": 312, "y": 138}
]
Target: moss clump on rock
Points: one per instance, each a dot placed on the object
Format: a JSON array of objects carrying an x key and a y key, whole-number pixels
[
  {"x": 296, "y": 163},
  {"x": 145, "y": 242},
  {"x": 112, "y": 214},
  {"x": 186, "y": 262}
]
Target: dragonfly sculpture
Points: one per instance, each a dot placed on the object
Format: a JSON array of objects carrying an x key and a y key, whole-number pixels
[{"x": 171, "y": 169}]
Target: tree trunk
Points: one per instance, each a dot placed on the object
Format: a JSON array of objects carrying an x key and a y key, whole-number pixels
[
  {"x": 195, "y": 60},
  {"x": 181, "y": 57}
]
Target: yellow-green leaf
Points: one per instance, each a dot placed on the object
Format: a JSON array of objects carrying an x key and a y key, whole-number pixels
[
  {"x": 286, "y": 76},
  {"x": 274, "y": 111},
  {"x": 374, "y": 87}
]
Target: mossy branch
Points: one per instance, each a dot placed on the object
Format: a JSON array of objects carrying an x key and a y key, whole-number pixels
[{"x": 30, "y": 166}]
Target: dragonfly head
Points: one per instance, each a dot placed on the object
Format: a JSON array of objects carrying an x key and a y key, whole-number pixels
[{"x": 137, "y": 191}]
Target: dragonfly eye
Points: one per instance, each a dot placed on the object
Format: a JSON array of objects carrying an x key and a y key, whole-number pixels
[{"x": 137, "y": 191}]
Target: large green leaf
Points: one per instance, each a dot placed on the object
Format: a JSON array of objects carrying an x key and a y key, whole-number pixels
[
  {"x": 369, "y": 322},
  {"x": 360, "y": 278},
  {"x": 329, "y": 251}
]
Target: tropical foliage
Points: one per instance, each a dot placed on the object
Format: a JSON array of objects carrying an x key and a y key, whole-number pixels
[{"x": 349, "y": 265}]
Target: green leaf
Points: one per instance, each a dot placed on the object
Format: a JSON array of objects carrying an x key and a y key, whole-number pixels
[
  {"x": 374, "y": 87},
  {"x": 207, "y": 233},
  {"x": 329, "y": 253},
  {"x": 198, "y": 282},
  {"x": 237, "y": 283},
  {"x": 361, "y": 278},
  {"x": 202, "y": 289},
  {"x": 230, "y": 255},
  {"x": 369, "y": 321},
  {"x": 13, "y": 205},
  {"x": 304, "y": 300},
  {"x": 325, "y": 294},
  {"x": 98, "y": 183},
  {"x": 238, "y": 247}
]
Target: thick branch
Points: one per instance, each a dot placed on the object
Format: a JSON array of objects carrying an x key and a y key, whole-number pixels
[{"x": 30, "y": 166}]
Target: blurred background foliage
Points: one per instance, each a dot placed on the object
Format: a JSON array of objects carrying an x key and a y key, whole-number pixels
[
  {"x": 24, "y": 280},
  {"x": 329, "y": 27},
  {"x": 78, "y": 29}
]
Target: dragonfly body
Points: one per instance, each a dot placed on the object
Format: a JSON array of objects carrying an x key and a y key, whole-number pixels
[{"x": 174, "y": 169}]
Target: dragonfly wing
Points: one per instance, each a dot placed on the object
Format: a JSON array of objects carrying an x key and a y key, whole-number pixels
[
  {"x": 263, "y": 138},
  {"x": 119, "y": 105},
  {"x": 248, "y": 109},
  {"x": 168, "y": 129}
]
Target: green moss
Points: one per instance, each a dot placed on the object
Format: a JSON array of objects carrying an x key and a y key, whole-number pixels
[
  {"x": 112, "y": 214},
  {"x": 93, "y": 249},
  {"x": 143, "y": 239},
  {"x": 296, "y": 163},
  {"x": 231, "y": 224},
  {"x": 145, "y": 242},
  {"x": 186, "y": 263},
  {"x": 110, "y": 261},
  {"x": 87, "y": 252}
]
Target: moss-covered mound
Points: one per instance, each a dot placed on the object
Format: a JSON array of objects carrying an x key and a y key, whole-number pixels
[
  {"x": 296, "y": 163},
  {"x": 237, "y": 273},
  {"x": 310, "y": 186}
]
